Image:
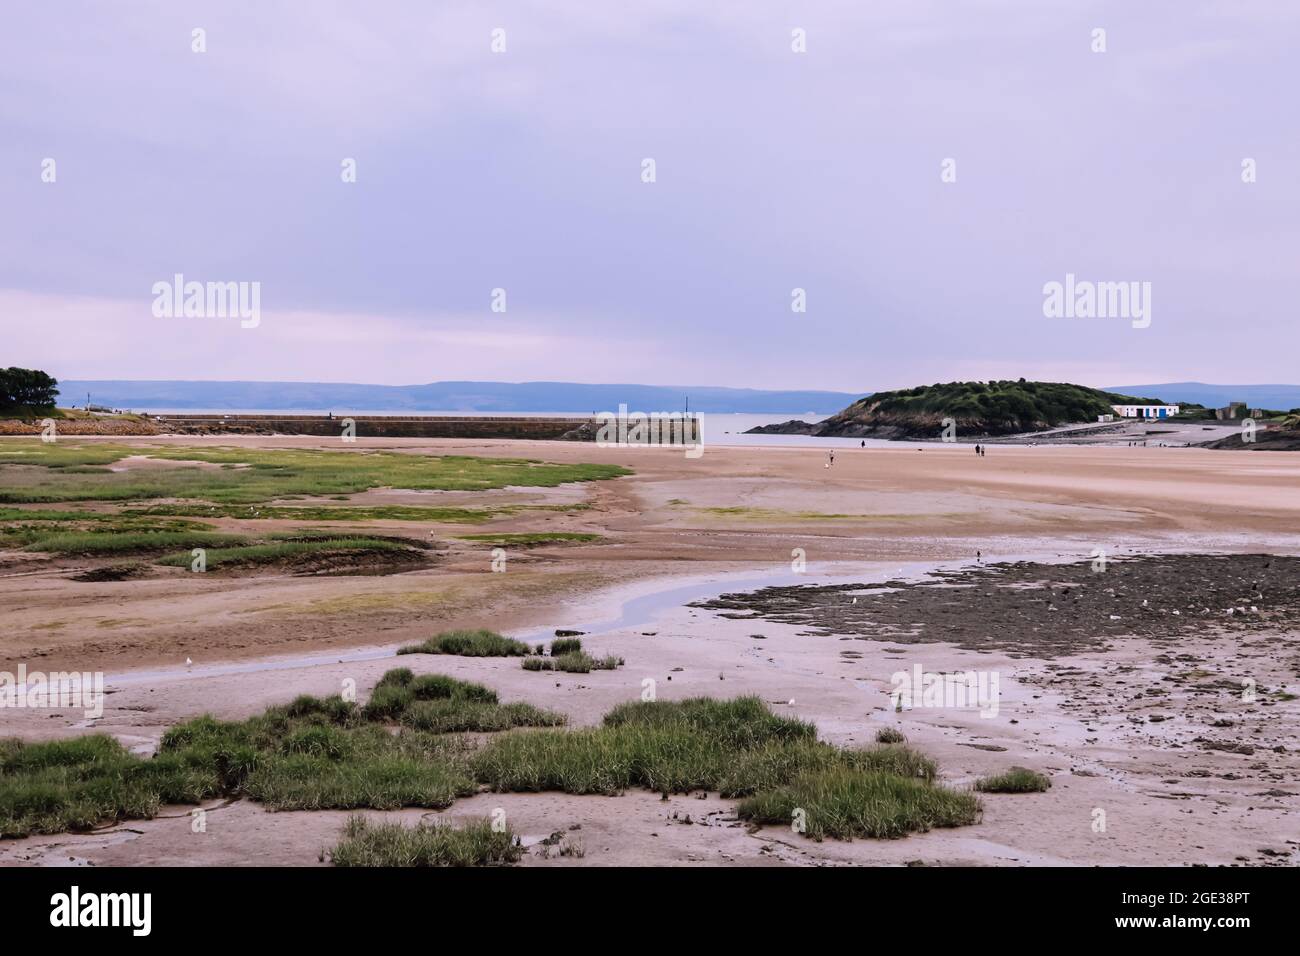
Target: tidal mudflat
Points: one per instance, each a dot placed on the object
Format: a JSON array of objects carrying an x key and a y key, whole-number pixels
[{"x": 1158, "y": 690}]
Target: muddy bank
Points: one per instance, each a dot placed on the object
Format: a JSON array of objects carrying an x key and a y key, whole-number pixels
[{"x": 1045, "y": 610}]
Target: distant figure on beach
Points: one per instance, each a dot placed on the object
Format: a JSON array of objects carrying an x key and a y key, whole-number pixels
[
  {"x": 832, "y": 461},
  {"x": 979, "y": 556},
  {"x": 864, "y": 443},
  {"x": 977, "y": 450}
]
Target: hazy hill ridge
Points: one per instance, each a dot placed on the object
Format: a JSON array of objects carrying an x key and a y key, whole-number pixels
[{"x": 501, "y": 397}]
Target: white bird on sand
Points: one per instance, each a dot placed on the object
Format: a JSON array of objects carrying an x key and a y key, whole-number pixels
[
  {"x": 188, "y": 662},
  {"x": 791, "y": 701}
]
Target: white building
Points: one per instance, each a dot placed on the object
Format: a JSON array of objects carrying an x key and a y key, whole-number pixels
[{"x": 1145, "y": 411}]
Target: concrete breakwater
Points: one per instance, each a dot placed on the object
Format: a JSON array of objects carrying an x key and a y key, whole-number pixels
[
  {"x": 381, "y": 426},
  {"x": 545, "y": 428}
]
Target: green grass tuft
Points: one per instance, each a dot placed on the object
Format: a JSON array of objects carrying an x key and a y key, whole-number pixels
[
  {"x": 469, "y": 644},
  {"x": 280, "y": 551},
  {"x": 844, "y": 802},
  {"x": 529, "y": 539},
  {"x": 439, "y": 844},
  {"x": 405, "y": 748},
  {"x": 1015, "y": 780},
  {"x": 269, "y": 475}
]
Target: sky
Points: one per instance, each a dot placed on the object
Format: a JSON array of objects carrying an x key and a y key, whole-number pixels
[{"x": 920, "y": 169}]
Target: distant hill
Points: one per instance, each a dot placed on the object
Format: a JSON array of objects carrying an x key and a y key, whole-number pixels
[
  {"x": 978, "y": 408},
  {"x": 1283, "y": 397},
  {"x": 501, "y": 397}
]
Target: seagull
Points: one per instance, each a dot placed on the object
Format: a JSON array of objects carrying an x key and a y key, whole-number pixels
[{"x": 188, "y": 662}]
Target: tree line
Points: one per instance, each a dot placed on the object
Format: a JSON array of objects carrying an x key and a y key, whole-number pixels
[{"x": 27, "y": 388}]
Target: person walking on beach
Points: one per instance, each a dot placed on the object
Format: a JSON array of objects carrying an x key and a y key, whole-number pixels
[
  {"x": 977, "y": 451},
  {"x": 832, "y": 461}
]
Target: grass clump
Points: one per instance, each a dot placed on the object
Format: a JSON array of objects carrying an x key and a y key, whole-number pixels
[
  {"x": 530, "y": 539},
  {"x": 310, "y": 754},
  {"x": 125, "y": 542},
  {"x": 845, "y": 802},
  {"x": 740, "y": 748},
  {"x": 324, "y": 513},
  {"x": 469, "y": 644},
  {"x": 405, "y": 748},
  {"x": 565, "y": 645},
  {"x": 266, "y": 475},
  {"x": 84, "y": 782},
  {"x": 567, "y": 655},
  {"x": 890, "y": 735},
  {"x": 1015, "y": 780},
  {"x": 290, "y": 550},
  {"x": 475, "y": 843},
  {"x": 464, "y": 716}
]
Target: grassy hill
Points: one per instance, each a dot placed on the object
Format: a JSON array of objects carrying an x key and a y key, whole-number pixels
[{"x": 979, "y": 408}]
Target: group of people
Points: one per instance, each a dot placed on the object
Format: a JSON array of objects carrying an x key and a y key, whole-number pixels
[{"x": 979, "y": 450}]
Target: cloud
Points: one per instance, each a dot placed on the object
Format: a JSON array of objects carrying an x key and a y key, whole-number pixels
[{"x": 775, "y": 171}]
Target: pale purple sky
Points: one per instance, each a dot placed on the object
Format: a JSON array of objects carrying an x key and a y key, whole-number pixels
[{"x": 775, "y": 170}]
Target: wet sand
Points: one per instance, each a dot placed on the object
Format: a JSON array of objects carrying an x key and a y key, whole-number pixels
[{"x": 1082, "y": 714}]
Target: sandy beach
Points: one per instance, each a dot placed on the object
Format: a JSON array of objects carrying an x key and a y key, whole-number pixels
[{"x": 1124, "y": 727}]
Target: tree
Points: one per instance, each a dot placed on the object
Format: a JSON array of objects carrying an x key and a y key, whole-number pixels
[{"x": 27, "y": 387}]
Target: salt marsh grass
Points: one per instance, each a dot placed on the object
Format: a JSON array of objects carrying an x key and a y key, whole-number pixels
[
  {"x": 475, "y": 843},
  {"x": 479, "y": 643}
]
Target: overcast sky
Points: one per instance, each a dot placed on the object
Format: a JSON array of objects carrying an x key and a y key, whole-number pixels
[{"x": 775, "y": 170}]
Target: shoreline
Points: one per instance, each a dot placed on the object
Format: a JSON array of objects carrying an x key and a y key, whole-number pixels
[{"x": 669, "y": 533}]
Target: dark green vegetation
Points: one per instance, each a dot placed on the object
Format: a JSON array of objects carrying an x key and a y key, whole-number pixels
[
  {"x": 50, "y": 473},
  {"x": 567, "y": 655},
  {"x": 308, "y": 550},
  {"x": 328, "y": 753},
  {"x": 530, "y": 539},
  {"x": 1015, "y": 780},
  {"x": 993, "y": 407},
  {"x": 227, "y": 483},
  {"x": 742, "y": 750},
  {"x": 574, "y": 662},
  {"x": 439, "y": 704},
  {"x": 977, "y": 408},
  {"x": 312, "y": 754},
  {"x": 565, "y": 645},
  {"x": 470, "y": 644},
  {"x": 844, "y": 802},
  {"x": 169, "y": 541},
  {"x": 437, "y": 844},
  {"x": 104, "y": 532},
  {"x": 27, "y": 392},
  {"x": 326, "y": 513}
]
